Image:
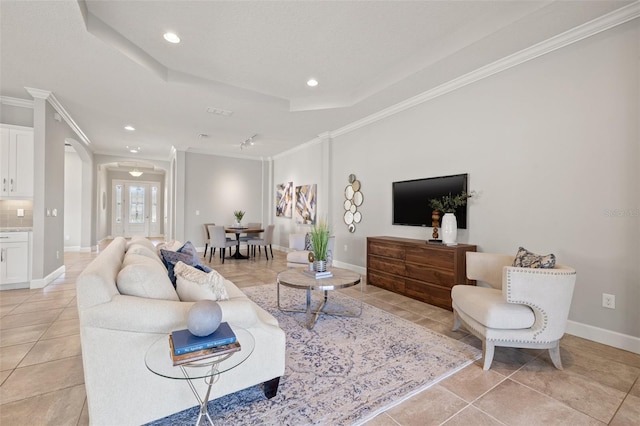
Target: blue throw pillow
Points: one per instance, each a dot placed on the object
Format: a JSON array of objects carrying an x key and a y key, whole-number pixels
[{"x": 186, "y": 254}]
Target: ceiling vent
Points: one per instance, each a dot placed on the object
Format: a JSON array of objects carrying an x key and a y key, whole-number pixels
[{"x": 219, "y": 111}]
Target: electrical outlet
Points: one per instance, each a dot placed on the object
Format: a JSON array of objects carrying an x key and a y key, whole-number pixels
[
  {"x": 608, "y": 301},
  {"x": 57, "y": 254},
  {"x": 345, "y": 247},
  {"x": 20, "y": 212}
]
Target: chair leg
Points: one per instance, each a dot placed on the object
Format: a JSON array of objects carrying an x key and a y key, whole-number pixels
[
  {"x": 222, "y": 250},
  {"x": 271, "y": 250},
  {"x": 488, "y": 349},
  {"x": 206, "y": 245},
  {"x": 266, "y": 253},
  {"x": 210, "y": 254},
  {"x": 554, "y": 354},
  {"x": 456, "y": 321}
]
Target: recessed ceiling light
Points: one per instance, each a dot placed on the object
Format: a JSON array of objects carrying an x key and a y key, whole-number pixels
[
  {"x": 133, "y": 149},
  {"x": 129, "y": 128},
  {"x": 171, "y": 37},
  {"x": 312, "y": 82}
]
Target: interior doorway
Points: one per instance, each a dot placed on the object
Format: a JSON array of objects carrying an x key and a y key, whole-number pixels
[{"x": 135, "y": 208}]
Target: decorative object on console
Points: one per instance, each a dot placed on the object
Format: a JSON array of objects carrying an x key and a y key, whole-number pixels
[
  {"x": 320, "y": 243},
  {"x": 204, "y": 318},
  {"x": 526, "y": 259},
  {"x": 353, "y": 200},
  {"x": 284, "y": 199},
  {"x": 435, "y": 222},
  {"x": 448, "y": 204},
  {"x": 238, "y": 214}
]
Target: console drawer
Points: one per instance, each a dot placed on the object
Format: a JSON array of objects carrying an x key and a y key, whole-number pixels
[{"x": 389, "y": 282}]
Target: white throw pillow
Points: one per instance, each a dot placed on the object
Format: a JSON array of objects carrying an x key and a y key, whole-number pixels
[
  {"x": 193, "y": 284},
  {"x": 146, "y": 279}
]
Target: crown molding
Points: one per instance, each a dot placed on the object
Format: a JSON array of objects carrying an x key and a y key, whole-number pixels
[
  {"x": 16, "y": 102},
  {"x": 574, "y": 35},
  {"x": 51, "y": 98},
  {"x": 297, "y": 148}
]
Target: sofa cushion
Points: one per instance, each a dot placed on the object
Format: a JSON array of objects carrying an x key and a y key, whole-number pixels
[
  {"x": 172, "y": 245},
  {"x": 193, "y": 284},
  {"x": 142, "y": 250},
  {"x": 138, "y": 240},
  {"x": 526, "y": 259},
  {"x": 145, "y": 278},
  {"x": 489, "y": 308}
]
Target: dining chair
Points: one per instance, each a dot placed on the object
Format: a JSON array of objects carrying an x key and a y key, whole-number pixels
[
  {"x": 246, "y": 238},
  {"x": 207, "y": 238},
  {"x": 218, "y": 239},
  {"x": 263, "y": 242}
]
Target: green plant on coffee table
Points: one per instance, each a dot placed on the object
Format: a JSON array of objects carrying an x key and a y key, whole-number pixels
[
  {"x": 239, "y": 214},
  {"x": 449, "y": 203},
  {"x": 320, "y": 240}
]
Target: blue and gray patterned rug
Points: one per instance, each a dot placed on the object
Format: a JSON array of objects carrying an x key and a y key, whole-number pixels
[{"x": 344, "y": 371}]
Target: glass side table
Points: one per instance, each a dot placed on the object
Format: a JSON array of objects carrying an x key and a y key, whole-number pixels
[{"x": 158, "y": 361}]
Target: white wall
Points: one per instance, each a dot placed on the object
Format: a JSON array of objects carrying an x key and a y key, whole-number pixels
[
  {"x": 72, "y": 200},
  {"x": 216, "y": 186},
  {"x": 302, "y": 166},
  {"x": 551, "y": 146}
]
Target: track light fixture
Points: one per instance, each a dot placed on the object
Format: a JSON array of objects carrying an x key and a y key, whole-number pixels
[{"x": 248, "y": 142}]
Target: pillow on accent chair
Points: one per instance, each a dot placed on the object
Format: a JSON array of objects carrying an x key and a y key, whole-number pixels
[
  {"x": 193, "y": 284},
  {"x": 526, "y": 259},
  {"x": 308, "y": 245}
]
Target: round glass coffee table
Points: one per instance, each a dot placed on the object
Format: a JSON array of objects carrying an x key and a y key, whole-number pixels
[
  {"x": 296, "y": 278},
  {"x": 158, "y": 360}
]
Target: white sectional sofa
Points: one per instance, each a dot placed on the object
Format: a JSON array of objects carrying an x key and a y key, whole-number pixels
[{"x": 117, "y": 329}]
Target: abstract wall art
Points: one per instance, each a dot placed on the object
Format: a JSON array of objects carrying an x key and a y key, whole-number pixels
[
  {"x": 306, "y": 200},
  {"x": 284, "y": 199}
]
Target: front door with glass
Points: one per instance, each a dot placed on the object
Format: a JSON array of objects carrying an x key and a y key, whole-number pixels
[{"x": 135, "y": 208}]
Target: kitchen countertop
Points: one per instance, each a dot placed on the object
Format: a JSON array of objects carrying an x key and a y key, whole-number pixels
[{"x": 17, "y": 229}]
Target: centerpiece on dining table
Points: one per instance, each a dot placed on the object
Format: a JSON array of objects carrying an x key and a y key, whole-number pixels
[{"x": 238, "y": 214}]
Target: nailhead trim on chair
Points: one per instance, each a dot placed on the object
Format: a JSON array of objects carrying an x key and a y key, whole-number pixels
[{"x": 537, "y": 309}]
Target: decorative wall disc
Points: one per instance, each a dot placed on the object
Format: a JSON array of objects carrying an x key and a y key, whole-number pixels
[{"x": 354, "y": 199}]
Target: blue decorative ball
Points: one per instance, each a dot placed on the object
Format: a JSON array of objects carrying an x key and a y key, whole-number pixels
[{"x": 204, "y": 317}]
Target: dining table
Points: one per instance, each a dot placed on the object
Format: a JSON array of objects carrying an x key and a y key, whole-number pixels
[{"x": 238, "y": 230}]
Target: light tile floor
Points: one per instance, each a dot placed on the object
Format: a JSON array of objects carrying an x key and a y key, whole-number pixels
[{"x": 42, "y": 379}]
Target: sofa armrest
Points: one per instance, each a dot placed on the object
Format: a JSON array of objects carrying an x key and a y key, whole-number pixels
[{"x": 137, "y": 314}]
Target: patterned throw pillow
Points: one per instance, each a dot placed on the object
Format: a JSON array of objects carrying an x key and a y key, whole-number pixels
[
  {"x": 526, "y": 259},
  {"x": 307, "y": 242},
  {"x": 194, "y": 284},
  {"x": 187, "y": 254}
]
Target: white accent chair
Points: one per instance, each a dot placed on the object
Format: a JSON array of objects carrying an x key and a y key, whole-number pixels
[
  {"x": 262, "y": 242},
  {"x": 522, "y": 308},
  {"x": 299, "y": 256}
]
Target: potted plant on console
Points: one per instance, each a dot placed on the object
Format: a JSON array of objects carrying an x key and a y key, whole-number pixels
[
  {"x": 448, "y": 205},
  {"x": 320, "y": 244}
]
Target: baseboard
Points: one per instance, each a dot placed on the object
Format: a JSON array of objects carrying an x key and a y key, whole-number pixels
[
  {"x": 72, "y": 249},
  {"x": 606, "y": 337},
  {"x": 359, "y": 269},
  {"x": 43, "y": 282}
]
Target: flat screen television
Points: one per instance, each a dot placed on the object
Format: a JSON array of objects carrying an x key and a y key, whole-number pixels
[{"x": 411, "y": 199}]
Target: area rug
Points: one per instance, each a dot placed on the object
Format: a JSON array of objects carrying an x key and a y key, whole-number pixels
[{"x": 344, "y": 371}]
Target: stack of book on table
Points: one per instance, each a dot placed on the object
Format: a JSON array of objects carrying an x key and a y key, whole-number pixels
[
  {"x": 318, "y": 275},
  {"x": 186, "y": 347}
]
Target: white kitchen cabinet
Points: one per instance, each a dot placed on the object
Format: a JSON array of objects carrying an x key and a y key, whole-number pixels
[
  {"x": 14, "y": 258},
  {"x": 16, "y": 161}
]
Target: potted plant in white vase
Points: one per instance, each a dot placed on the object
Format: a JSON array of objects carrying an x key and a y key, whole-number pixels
[
  {"x": 320, "y": 245},
  {"x": 238, "y": 214},
  {"x": 448, "y": 205}
]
